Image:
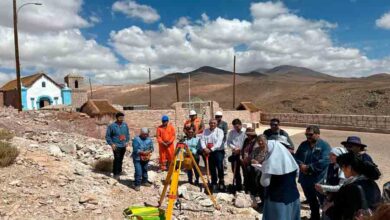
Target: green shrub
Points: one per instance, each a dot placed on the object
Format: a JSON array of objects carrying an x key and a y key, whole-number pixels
[
  {"x": 103, "y": 165},
  {"x": 6, "y": 135},
  {"x": 8, "y": 154}
]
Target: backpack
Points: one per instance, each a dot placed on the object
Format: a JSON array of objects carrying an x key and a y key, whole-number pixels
[{"x": 144, "y": 213}]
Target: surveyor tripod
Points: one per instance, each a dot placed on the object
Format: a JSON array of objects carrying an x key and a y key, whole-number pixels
[{"x": 172, "y": 178}]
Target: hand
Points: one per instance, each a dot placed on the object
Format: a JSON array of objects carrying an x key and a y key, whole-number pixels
[
  {"x": 304, "y": 168},
  {"x": 113, "y": 146},
  {"x": 206, "y": 151},
  {"x": 165, "y": 144},
  {"x": 128, "y": 148},
  {"x": 254, "y": 161},
  {"x": 236, "y": 151},
  {"x": 318, "y": 187}
]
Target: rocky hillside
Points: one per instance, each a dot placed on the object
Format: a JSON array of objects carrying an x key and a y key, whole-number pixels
[
  {"x": 280, "y": 89},
  {"x": 53, "y": 178}
]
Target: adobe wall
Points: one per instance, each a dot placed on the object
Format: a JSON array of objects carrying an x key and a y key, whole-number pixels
[
  {"x": 368, "y": 123},
  {"x": 79, "y": 97}
]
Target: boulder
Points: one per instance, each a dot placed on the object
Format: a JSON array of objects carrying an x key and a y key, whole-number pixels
[
  {"x": 225, "y": 198},
  {"x": 55, "y": 151},
  {"x": 242, "y": 200},
  {"x": 68, "y": 148}
]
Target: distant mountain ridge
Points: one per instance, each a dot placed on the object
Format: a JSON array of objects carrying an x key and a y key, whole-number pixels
[{"x": 283, "y": 70}]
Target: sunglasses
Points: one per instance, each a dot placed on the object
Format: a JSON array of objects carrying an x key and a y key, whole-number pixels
[{"x": 309, "y": 134}]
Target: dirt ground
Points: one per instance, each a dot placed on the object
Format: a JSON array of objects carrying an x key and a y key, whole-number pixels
[{"x": 378, "y": 145}]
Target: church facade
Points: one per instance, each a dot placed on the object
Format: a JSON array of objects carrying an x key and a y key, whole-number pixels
[{"x": 39, "y": 90}]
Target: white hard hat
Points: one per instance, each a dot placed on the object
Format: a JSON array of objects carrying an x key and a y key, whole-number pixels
[
  {"x": 192, "y": 112},
  {"x": 218, "y": 113}
]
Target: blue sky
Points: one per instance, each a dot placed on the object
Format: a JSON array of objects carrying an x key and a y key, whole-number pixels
[
  {"x": 355, "y": 19},
  {"x": 115, "y": 41}
]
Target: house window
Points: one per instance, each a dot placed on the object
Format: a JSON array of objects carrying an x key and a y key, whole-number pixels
[
  {"x": 32, "y": 103},
  {"x": 43, "y": 84},
  {"x": 56, "y": 100},
  {"x": 76, "y": 84}
]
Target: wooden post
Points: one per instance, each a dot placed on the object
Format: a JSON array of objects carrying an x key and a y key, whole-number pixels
[
  {"x": 234, "y": 82},
  {"x": 150, "y": 89},
  {"x": 90, "y": 86},
  {"x": 16, "y": 41},
  {"x": 177, "y": 88}
]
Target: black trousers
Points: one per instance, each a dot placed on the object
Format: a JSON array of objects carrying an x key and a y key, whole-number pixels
[
  {"x": 235, "y": 161},
  {"x": 315, "y": 199},
  {"x": 119, "y": 153},
  {"x": 216, "y": 167}
]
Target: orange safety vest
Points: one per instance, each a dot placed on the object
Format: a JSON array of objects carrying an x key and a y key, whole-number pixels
[{"x": 196, "y": 123}]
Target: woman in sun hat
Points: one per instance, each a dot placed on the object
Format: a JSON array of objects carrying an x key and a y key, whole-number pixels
[{"x": 355, "y": 145}]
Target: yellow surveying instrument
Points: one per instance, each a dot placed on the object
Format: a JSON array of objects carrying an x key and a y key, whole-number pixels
[{"x": 182, "y": 157}]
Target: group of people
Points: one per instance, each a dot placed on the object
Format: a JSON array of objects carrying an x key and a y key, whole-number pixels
[{"x": 338, "y": 183}]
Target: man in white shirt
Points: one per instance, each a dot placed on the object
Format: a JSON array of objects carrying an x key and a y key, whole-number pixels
[
  {"x": 213, "y": 147},
  {"x": 235, "y": 142}
]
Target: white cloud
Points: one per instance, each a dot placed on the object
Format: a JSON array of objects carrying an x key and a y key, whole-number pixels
[
  {"x": 274, "y": 36},
  {"x": 134, "y": 10},
  {"x": 384, "y": 21},
  {"x": 50, "y": 16}
]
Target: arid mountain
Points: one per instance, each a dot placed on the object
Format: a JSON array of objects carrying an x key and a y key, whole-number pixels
[{"x": 280, "y": 89}]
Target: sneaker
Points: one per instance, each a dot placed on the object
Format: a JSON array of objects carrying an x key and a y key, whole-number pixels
[
  {"x": 147, "y": 184},
  {"x": 137, "y": 188}
]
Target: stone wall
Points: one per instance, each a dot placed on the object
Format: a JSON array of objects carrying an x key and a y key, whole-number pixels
[
  {"x": 370, "y": 123},
  {"x": 79, "y": 97},
  {"x": 151, "y": 119},
  {"x": 244, "y": 116},
  {"x": 136, "y": 119}
]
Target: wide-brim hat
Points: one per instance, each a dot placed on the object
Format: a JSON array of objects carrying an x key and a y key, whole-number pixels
[
  {"x": 250, "y": 131},
  {"x": 353, "y": 140}
]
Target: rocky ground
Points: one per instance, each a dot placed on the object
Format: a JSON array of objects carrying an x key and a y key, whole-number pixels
[{"x": 53, "y": 179}]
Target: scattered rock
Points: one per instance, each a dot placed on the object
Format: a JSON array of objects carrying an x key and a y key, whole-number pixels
[
  {"x": 55, "y": 151},
  {"x": 15, "y": 183},
  {"x": 242, "y": 200},
  {"x": 225, "y": 198},
  {"x": 68, "y": 148},
  {"x": 88, "y": 198}
]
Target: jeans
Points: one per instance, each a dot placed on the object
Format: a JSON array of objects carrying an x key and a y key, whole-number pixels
[
  {"x": 315, "y": 199},
  {"x": 119, "y": 153},
  {"x": 216, "y": 166},
  {"x": 235, "y": 158},
  {"x": 189, "y": 172},
  {"x": 141, "y": 172}
]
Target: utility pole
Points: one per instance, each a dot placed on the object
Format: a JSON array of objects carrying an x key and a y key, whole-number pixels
[
  {"x": 16, "y": 41},
  {"x": 234, "y": 82},
  {"x": 18, "y": 81},
  {"x": 90, "y": 86},
  {"x": 150, "y": 89},
  {"x": 177, "y": 88}
]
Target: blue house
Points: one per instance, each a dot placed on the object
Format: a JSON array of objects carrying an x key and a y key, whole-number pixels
[{"x": 38, "y": 91}]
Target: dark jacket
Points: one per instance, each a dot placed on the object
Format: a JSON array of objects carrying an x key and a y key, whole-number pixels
[
  {"x": 349, "y": 200},
  {"x": 283, "y": 188},
  {"x": 274, "y": 136},
  {"x": 317, "y": 158}
]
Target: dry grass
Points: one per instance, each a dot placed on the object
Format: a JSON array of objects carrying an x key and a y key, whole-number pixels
[
  {"x": 6, "y": 135},
  {"x": 103, "y": 165},
  {"x": 8, "y": 154}
]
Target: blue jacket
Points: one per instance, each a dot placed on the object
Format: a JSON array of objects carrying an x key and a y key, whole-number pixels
[
  {"x": 140, "y": 145},
  {"x": 113, "y": 133},
  {"x": 194, "y": 145},
  {"x": 317, "y": 158}
]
